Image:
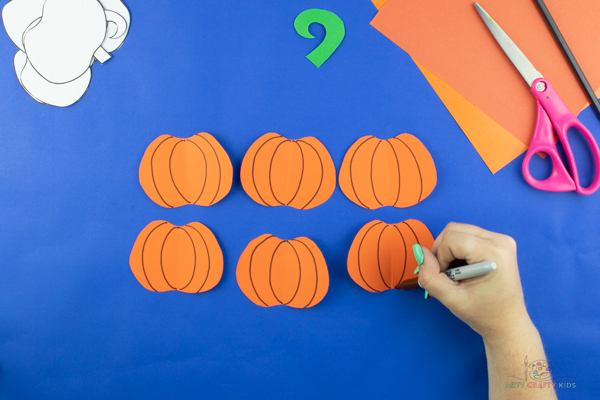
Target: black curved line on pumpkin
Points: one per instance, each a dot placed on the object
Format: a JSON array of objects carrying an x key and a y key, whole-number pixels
[
  {"x": 161, "y": 253},
  {"x": 218, "y": 163},
  {"x": 316, "y": 271},
  {"x": 413, "y": 232},
  {"x": 405, "y": 256},
  {"x": 399, "y": 175},
  {"x": 373, "y": 183},
  {"x": 254, "y": 162},
  {"x": 301, "y": 173},
  {"x": 143, "y": 250},
  {"x": 152, "y": 170},
  {"x": 195, "y": 259},
  {"x": 299, "y": 273},
  {"x": 417, "y": 163},
  {"x": 250, "y": 269},
  {"x": 171, "y": 172},
  {"x": 271, "y": 169},
  {"x": 378, "y": 262},
  {"x": 207, "y": 255},
  {"x": 358, "y": 255},
  {"x": 322, "y": 174},
  {"x": 205, "y": 171},
  {"x": 350, "y": 172}
]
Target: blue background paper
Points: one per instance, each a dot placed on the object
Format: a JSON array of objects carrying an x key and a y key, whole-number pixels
[{"x": 75, "y": 323}]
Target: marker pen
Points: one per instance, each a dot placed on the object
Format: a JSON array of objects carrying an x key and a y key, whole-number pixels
[{"x": 470, "y": 270}]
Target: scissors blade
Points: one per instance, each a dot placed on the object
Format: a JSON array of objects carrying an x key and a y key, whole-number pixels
[{"x": 523, "y": 65}]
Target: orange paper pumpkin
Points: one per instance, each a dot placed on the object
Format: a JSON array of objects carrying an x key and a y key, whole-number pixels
[
  {"x": 397, "y": 172},
  {"x": 167, "y": 257},
  {"x": 281, "y": 172},
  {"x": 175, "y": 172},
  {"x": 381, "y": 255},
  {"x": 274, "y": 272}
]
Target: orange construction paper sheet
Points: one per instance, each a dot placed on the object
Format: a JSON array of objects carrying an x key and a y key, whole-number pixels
[
  {"x": 186, "y": 258},
  {"x": 472, "y": 75},
  {"x": 281, "y": 172},
  {"x": 381, "y": 255},
  {"x": 273, "y": 272}
]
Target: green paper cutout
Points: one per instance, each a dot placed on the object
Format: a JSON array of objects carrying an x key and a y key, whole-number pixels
[{"x": 334, "y": 32}]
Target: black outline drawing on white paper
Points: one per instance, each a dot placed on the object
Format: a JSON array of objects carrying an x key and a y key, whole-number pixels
[{"x": 59, "y": 41}]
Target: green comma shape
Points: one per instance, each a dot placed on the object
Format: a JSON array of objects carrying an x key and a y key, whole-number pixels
[{"x": 334, "y": 32}]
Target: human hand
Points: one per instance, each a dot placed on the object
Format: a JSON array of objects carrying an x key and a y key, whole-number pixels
[{"x": 492, "y": 304}]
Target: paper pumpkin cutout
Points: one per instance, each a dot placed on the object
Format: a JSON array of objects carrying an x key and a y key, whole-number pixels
[
  {"x": 175, "y": 172},
  {"x": 166, "y": 257},
  {"x": 59, "y": 41},
  {"x": 272, "y": 272},
  {"x": 381, "y": 255},
  {"x": 397, "y": 172},
  {"x": 280, "y": 172}
]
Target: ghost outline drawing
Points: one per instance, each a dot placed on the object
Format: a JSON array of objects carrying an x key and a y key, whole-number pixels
[{"x": 59, "y": 41}]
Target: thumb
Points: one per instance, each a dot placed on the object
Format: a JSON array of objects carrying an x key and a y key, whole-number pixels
[{"x": 432, "y": 279}]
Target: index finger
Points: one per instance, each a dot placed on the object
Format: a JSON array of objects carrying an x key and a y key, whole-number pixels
[
  {"x": 464, "y": 228},
  {"x": 463, "y": 246}
]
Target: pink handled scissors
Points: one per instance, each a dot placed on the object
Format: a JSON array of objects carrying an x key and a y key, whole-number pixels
[{"x": 552, "y": 116}]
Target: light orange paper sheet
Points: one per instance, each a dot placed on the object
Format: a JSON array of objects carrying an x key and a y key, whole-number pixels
[
  {"x": 378, "y": 3},
  {"x": 472, "y": 75}
]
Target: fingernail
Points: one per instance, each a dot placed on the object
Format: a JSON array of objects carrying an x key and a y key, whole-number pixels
[
  {"x": 418, "y": 253},
  {"x": 420, "y": 257}
]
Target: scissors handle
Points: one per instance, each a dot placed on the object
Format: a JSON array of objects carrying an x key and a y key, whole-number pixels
[{"x": 553, "y": 113}]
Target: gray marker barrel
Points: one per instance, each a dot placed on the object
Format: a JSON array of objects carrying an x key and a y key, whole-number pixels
[{"x": 471, "y": 270}]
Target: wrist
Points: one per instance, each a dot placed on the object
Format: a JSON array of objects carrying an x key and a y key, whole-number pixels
[{"x": 513, "y": 335}]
